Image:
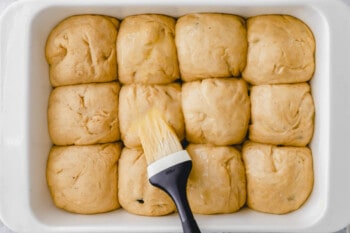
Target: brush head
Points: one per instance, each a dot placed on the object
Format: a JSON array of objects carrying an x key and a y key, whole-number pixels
[{"x": 158, "y": 139}]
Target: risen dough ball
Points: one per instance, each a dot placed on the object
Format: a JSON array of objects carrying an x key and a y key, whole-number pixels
[
  {"x": 83, "y": 179},
  {"x": 137, "y": 99},
  {"x": 279, "y": 179},
  {"x": 82, "y": 49},
  {"x": 210, "y": 45},
  {"x": 281, "y": 50},
  {"x": 84, "y": 114},
  {"x": 136, "y": 194},
  {"x": 282, "y": 114},
  {"x": 216, "y": 111},
  {"x": 217, "y": 181},
  {"x": 146, "y": 50}
]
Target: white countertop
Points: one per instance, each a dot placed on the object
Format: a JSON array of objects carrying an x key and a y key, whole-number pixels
[
  {"x": 3, "y": 228},
  {"x": 3, "y": 5}
]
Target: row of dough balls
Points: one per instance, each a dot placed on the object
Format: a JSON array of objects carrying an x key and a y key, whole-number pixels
[
  {"x": 158, "y": 49},
  {"x": 93, "y": 179},
  {"x": 215, "y": 111}
]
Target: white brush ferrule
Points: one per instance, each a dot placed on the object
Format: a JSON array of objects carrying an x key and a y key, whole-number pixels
[{"x": 167, "y": 161}]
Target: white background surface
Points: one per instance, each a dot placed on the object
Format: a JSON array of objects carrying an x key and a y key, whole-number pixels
[{"x": 3, "y": 5}]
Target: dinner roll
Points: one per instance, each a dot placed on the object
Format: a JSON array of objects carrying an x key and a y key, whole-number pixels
[
  {"x": 84, "y": 114},
  {"x": 146, "y": 50},
  {"x": 281, "y": 50},
  {"x": 210, "y": 45},
  {"x": 136, "y": 194},
  {"x": 282, "y": 114},
  {"x": 82, "y": 49},
  {"x": 137, "y": 99},
  {"x": 279, "y": 179},
  {"x": 217, "y": 182},
  {"x": 216, "y": 111},
  {"x": 83, "y": 179}
]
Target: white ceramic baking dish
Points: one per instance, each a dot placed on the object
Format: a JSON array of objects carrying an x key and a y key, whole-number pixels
[{"x": 25, "y": 203}]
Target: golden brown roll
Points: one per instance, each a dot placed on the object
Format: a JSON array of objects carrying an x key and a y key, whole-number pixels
[
  {"x": 83, "y": 179},
  {"x": 217, "y": 181},
  {"x": 136, "y": 194},
  {"x": 137, "y": 99},
  {"x": 216, "y": 111},
  {"x": 281, "y": 50},
  {"x": 146, "y": 50},
  {"x": 282, "y": 114},
  {"x": 279, "y": 179},
  {"x": 210, "y": 45},
  {"x": 82, "y": 49},
  {"x": 84, "y": 114}
]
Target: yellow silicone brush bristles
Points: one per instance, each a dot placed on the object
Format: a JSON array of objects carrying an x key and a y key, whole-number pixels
[{"x": 158, "y": 139}]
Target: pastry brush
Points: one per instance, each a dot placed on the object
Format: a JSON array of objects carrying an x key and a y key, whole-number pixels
[{"x": 168, "y": 164}]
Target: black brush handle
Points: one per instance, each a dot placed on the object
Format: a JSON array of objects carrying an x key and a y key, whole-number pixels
[{"x": 173, "y": 181}]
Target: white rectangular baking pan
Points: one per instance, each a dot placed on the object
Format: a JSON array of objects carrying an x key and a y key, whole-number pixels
[{"x": 25, "y": 203}]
